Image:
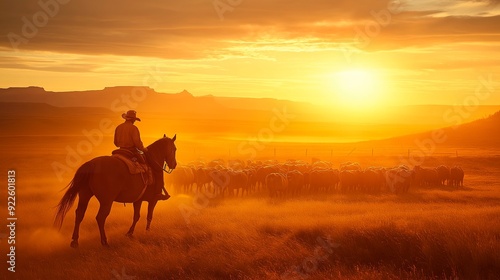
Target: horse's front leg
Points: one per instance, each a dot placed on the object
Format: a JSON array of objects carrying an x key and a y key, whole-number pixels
[
  {"x": 151, "y": 208},
  {"x": 137, "y": 215}
]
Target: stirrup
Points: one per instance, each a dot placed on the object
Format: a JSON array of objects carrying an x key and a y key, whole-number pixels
[{"x": 161, "y": 196}]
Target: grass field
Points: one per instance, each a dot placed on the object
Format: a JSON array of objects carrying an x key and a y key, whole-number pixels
[
  {"x": 428, "y": 233},
  {"x": 425, "y": 234}
]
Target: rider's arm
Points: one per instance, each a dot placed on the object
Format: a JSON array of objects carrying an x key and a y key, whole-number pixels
[
  {"x": 136, "y": 137},
  {"x": 115, "y": 140}
]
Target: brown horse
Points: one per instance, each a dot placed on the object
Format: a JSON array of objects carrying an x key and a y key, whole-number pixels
[{"x": 108, "y": 179}]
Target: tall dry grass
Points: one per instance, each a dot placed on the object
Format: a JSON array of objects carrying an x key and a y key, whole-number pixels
[{"x": 428, "y": 234}]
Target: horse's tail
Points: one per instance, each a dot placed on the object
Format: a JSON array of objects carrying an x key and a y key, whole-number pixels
[{"x": 80, "y": 180}]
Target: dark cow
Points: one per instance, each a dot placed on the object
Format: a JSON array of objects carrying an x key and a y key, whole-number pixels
[
  {"x": 350, "y": 180},
  {"x": 295, "y": 182},
  {"x": 277, "y": 184},
  {"x": 182, "y": 179},
  {"x": 238, "y": 181},
  {"x": 457, "y": 176},
  {"x": 372, "y": 180},
  {"x": 399, "y": 179},
  {"x": 202, "y": 178},
  {"x": 443, "y": 174},
  {"x": 322, "y": 180},
  {"x": 425, "y": 176}
]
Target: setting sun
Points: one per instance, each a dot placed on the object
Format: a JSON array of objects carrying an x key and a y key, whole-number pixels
[{"x": 355, "y": 88}]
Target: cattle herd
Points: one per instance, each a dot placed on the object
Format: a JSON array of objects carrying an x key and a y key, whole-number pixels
[{"x": 293, "y": 178}]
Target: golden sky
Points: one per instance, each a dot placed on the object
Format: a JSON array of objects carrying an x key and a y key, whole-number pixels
[{"x": 322, "y": 51}]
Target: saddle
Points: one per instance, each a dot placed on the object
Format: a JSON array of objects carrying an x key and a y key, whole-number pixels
[{"x": 134, "y": 166}]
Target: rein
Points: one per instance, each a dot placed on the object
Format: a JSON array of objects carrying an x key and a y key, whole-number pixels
[{"x": 170, "y": 170}]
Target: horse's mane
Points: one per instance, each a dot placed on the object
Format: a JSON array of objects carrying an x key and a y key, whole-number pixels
[{"x": 158, "y": 142}]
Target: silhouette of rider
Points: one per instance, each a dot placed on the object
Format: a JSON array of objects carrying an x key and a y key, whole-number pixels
[{"x": 127, "y": 137}]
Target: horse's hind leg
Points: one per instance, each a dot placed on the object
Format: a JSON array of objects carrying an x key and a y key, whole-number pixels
[
  {"x": 103, "y": 213},
  {"x": 137, "y": 215},
  {"x": 83, "y": 201},
  {"x": 151, "y": 208}
]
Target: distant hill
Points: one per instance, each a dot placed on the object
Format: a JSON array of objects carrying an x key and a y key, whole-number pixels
[
  {"x": 33, "y": 111},
  {"x": 482, "y": 133},
  {"x": 185, "y": 105},
  {"x": 31, "y": 119},
  {"x": 142, "y": 99}
]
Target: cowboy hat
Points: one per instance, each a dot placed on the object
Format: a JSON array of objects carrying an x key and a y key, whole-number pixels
[{"x": 130, "y": 115}]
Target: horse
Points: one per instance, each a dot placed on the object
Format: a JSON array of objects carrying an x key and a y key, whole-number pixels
[{"x": 108, "y": 179}]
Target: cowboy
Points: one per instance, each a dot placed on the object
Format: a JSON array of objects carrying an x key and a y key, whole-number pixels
[{"x": 127, "y": 137}]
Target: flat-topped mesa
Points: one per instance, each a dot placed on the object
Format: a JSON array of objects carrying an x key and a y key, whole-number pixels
[{"x": 30, "y": 89}]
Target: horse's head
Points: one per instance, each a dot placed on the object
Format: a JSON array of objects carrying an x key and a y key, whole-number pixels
[
  {"x": 163, "y": 150},
  {"x": 170, "y": 150}
]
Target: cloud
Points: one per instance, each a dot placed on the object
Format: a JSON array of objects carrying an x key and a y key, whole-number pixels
[
  {"x": 456, "y": 7},
  {"x": 191, "y": 29}
]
